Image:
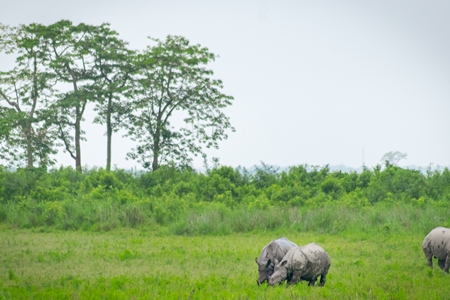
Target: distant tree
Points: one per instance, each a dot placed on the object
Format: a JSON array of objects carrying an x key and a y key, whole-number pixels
[
  {"x": 86, "y": 61},
  {"x": 25, "y": 91},
  {"x": 265, "y": 175},
  {"x": 114, "y": 63},
  {"x": 72, "y": 63},
  {"x": 174, "y": 87},
  {"x": 393, "y": 157}
]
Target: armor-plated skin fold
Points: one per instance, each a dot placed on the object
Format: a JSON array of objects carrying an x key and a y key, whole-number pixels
[
  {"x": 302, "y": 263},
  {"x": 437, "y": 244},
  {"x": 275, "y": 250}
]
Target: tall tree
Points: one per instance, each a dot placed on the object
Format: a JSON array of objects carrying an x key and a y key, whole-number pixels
[
  {"x": 25, "y": 93},
  {"x": 73, "y": 65},
  {"x": 113, "y": 62},
  {"x": 174, "y": 86},
  {"x": 393, "y": 157}
]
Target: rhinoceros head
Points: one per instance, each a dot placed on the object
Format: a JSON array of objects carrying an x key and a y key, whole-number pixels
[
  {"x": 279, "y": 274},
  {"x": 265, "y": 269}
]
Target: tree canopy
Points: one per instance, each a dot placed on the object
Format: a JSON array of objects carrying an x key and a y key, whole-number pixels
[
  {"x": 164, "y": 97},
  {"x": 25, "y": 95},
  {"x": 172, "y": 79}
]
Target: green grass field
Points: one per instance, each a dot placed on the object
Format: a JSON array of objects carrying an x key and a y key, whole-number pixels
[{"x": 145, "y": 264}]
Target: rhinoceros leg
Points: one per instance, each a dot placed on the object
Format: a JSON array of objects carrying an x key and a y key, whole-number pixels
[
  {"x": 296, "y": 277},
  {"x": 323, "y": 279},
  {"x": 429, "y": 257},
  {"x": 312, "y": 282},
  {"x": 430, "y": 262},
  {"x": 447, "y": 264},
  {"x": 441, "y": 263}
]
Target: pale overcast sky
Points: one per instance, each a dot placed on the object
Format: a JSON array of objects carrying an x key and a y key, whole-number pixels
[{"x": 315, "y": 82}]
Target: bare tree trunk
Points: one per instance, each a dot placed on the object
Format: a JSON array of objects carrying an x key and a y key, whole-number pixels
[
  {"x": 156, "y": 146},
  {"x": 29, "y": 146},
  {"x": 78, "y": 140},
  {"x": 29, "y": 126},
  {"x": 108, "y": 134},
  {"x": 155, "y": 163}
]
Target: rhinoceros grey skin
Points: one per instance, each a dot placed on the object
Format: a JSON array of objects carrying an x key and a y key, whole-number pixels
[
  {"x": 302, "y": 263},
  {"x": 275, "y": 250},
  {"x": 437, "y": 244}
]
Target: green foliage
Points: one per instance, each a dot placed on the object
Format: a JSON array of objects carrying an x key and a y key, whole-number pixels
[
  {"x": 438, "y": 184},
  {"x": 27, "y": 135},
  {"x": 101, "y": 179},
  {"x": 355, "y": 198},
  {"x": 265, "y": 176},
  {"x": 222, "y": 200},
  {"x": 173, "y": 80},
  {"x": 63, "y": 67},
  {"x": 396, "y": 184},
  {"x": 332, "y": 186},
  {"x": 19, "y": 184}
]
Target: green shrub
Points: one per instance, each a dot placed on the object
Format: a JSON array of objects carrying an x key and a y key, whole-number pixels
[
  {"x": 102, "y": 200},
  {"x": 259, "y": 203},
  {"x": 167, "y": 208}
]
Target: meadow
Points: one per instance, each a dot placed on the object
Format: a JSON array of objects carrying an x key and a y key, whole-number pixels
[
  {"x": 179, "y": 234},
  {"x": 147, "y": 264}
]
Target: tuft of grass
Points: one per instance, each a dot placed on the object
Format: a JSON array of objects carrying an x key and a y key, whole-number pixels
[{"x": 12, "y": 275}]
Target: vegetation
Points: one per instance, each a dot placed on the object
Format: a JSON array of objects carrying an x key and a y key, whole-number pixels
[
  {"x": 143, "y": 264},
  {"x": 164, "y": 97},
  {"x": 177, "y": 233},
  {"x": 25, "y": 133},
  {"x": 173, "y": 79},
  {"x": 190, "y": 202}
]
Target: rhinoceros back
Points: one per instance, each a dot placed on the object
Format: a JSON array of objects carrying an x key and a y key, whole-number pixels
[
  {"x": 284, "y": 245},
  {"x": 438, "y": 242},
  {"x": 276, "y": 249}
]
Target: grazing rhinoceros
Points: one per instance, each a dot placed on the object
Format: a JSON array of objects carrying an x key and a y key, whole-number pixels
[
  {"x": 437, "y": 244},
  {"x": 302, "y": 263},
  {"x": 275, "y": 250}
]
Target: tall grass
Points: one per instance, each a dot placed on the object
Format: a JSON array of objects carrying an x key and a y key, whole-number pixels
[
  {"x": 219, "y": 219},
  {"x": 329, "y": 219}
]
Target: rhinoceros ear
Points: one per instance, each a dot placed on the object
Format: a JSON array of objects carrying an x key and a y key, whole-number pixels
[
  {"x": 256, "y": 259},
  {"x": 283, "y": 263},
  {"x": 268, "y": 263}
]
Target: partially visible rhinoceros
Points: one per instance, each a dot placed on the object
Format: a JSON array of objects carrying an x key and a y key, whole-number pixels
[
  {"x": 437, "y": 244},
  {"x": 275, "y": 250},
  {"x": 302, "y": 263}
]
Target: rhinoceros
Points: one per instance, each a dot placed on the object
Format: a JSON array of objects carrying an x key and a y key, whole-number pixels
[
  {"x": 437, "y": 244},
  {"x": 302, "y": 263},
  {"x": 275, "y": 250}
]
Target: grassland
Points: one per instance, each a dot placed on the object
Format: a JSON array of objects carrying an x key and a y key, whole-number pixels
[
  {"x": 145, "y": 263},
  {"x": 179, "y": 234}
]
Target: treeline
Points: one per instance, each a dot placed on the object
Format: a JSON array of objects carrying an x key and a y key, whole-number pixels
[
  {"x": 63, "y": 69},
  {"x": 190, "y": 202}
]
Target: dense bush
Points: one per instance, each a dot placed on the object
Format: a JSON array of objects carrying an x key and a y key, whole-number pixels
[{"x": 218, "y": 201}]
